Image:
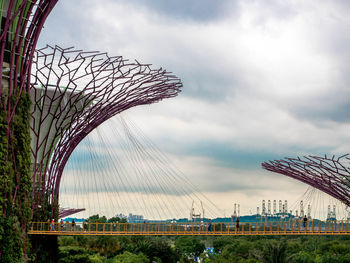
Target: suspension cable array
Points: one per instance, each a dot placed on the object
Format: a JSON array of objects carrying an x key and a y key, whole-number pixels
[{"x": 118, "y": 170}]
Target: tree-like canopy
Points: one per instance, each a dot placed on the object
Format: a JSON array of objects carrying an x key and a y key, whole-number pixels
[
  {"x": 72, "y": 93},
  {"x": 328, "y": 174}
]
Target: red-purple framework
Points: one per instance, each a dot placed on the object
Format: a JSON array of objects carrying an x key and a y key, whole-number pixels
[
  {"x": 21, "y": 24},
  {"x": 330, "y": 175},
  {"x": 64, "y": 212},
  {"x": 73, "y": 92}
]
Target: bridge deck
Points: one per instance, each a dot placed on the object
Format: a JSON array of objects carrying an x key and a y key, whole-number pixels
[{"x": 153, "y": 229}]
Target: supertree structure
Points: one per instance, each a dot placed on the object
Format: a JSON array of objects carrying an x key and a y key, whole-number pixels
[
  {"x": 328, "y": 174},
  {"x": 21, "y": 24},
  {"x": 73, "y": 92}
]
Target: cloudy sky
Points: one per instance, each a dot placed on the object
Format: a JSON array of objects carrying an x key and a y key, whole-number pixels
[{"x": 263, "y": 79}]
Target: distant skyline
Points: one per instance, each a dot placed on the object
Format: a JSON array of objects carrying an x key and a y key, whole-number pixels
[{"x": 262, "y": 80}]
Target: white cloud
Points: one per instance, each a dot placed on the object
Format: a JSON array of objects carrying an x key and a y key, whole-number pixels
[{"x": 244, "y": 123}]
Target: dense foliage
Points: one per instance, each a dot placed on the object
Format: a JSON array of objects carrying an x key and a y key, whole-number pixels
[
  {"x": 227, "y": 249},
  {"x": 116, "y": 249},
  {"x": 302, "y": 249},
  {"x": 15, "y": 181}
]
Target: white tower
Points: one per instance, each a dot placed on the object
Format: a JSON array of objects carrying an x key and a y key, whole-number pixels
[
  {"x": 301, "y": 208},
  {"x": 263, "y": 209},
  {"x": 269, "y": 207},
  {"x": 274, "y": 207},
  {"x": 329, "y": 212},
  {"x": 309, "y": 211},
  {"x": 280, "y": 206},
  {"x": 285, "y": 206}
]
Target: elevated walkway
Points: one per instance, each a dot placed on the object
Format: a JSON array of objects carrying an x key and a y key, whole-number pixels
[{"x": 183, "y": 229}]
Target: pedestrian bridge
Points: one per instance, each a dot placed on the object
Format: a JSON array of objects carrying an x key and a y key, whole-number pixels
[{"x": 182, "y": 229}]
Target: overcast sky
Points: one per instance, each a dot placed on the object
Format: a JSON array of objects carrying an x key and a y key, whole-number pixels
[{"x": 263, "y": 79}]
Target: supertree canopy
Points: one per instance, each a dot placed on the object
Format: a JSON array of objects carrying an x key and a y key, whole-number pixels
[
  {"x": 73, "y": 92},
  {"x": 330, "y": 175}
]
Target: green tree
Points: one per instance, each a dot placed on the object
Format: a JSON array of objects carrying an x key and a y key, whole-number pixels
[
  {"x": 67, "y": 241},
  {"x": 339, "y": 248},
  {"x": 96, "y": 259},
  {"x": 114, "y": 220},
  {"x": 243, "y": 249},
  {"x": 97, "y": 219},
  {"x": 73, "y": 254},
  {"x": 157, "y": 248},
  {"x": 220, "y": 242},
  {"x": 329, "y": 258},
  {"x": 311, "y": 244},
  {"x": 274, "y": 252},
  {"x": 346, "y": 258},
  {"x": 105, "y": 245},
  {"x": 302, "y": 257},
  {"x": 293, "y": 247},
  {"x": 128, "y": 257},
  {"x": 189, "y": 246}
]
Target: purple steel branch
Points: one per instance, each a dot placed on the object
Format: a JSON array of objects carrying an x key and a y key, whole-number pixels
[
  {"x": 20, "y": 32},
  {"x": 87, "y": 88},
  {"x": 64, "y": 212},
  {"x": 329, "y": 175}
]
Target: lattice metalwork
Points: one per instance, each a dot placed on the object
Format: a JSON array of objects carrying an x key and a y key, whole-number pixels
[
  {"x": 64, "y": 212},
  {"x": 328, "y": 174},
  {"x": 72, "y": 93},
  {"x": 21, "y": 24}
]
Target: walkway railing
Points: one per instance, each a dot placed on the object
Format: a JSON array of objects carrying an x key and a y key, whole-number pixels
[{"x": 246, "y": 228}]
